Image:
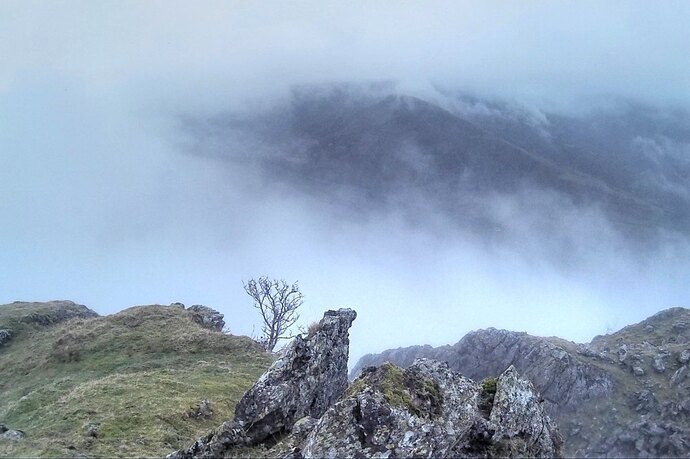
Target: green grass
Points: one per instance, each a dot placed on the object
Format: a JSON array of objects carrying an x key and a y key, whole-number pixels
[
  {"x": 135, "y": 375},
  {"x": 397, "y": 386}
]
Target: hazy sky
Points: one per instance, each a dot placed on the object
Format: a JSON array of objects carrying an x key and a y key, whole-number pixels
[{"x": 102, "y": 203}]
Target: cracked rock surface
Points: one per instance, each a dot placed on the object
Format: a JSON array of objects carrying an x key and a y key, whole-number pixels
[{"x": 428, "y": 410}]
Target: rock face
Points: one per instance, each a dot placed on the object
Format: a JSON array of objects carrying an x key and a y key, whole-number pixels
[
  {"x": 626, "y": 394},
  {"x": 206, "y": 317},
  {"x": 427, "y": 410},
  {"x": 306, "y": 381}
]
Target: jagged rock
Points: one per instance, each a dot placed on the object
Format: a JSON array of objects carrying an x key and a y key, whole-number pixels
[
  {"x": 207, "y": 317},
  {"x": 305, "y": 382},
  {"x": 622, "y": 353},
  {"x": 679, "y": 375},
  {"x": 5, "y": 336},
  {"x": 427, "y": 410},
  {"x": 308, "y": 379},
  {"x": 643, "y": 401},
  {"x": 563, "y": 380},
  {"x": 603, "y": 421},
  {"x": 9, "y": 434}
]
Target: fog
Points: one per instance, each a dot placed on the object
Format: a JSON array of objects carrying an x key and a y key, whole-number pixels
[{"x": 114, "y": 192}]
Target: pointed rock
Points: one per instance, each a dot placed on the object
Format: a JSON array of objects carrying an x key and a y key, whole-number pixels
[{"x": 307, "y": 380}]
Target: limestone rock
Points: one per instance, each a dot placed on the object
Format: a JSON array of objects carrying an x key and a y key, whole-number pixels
[
  {"x": 622, "y": 353},
  {"x": 207, "y": 317},
  {"x": 306, "y": 381},
  {"x": 684, "y": 356},
  {"x": 592, "y": 390},
  {"x": 427, "y": 410},
  {"x": 201, "y": 410},
  {"x": 55, "y": 312},
  {"x": 679, "y": 375},
  {"x": 658, "y": 363},
  {"x": 5, "y": 336},
  {"x": 563, "y": 380},
  {"x": 9, "y": 434}
]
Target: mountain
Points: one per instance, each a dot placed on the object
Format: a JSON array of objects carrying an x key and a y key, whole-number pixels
[
  {"x": 484, "y": 165},
  {"x": 626, "y": 394},
  {"x": 141, "y": 382}
]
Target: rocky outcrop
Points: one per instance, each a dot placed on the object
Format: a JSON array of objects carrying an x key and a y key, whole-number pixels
[
  {"x": 625, "y": 394},
  {"x": 563, "y": 379},
  {"x": 52, "y": 312},
  {"x": 427, "y": 410},
  {"x": 302, "y": 407},
  {"x": 206, "y": 317},
  {"x": 306, "y": 381}
]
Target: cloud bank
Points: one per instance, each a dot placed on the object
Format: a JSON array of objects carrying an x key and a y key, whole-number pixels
[{"x": 104, "y": 201}]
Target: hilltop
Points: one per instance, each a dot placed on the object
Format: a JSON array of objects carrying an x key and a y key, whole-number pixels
[{"x": 128, "y": 384}]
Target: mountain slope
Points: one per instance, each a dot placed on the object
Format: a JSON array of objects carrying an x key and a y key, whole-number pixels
[
  {"x": 457, "y": 155},
  {"x": 129, "y": 384},
  {"x": 624, "y": 394}
]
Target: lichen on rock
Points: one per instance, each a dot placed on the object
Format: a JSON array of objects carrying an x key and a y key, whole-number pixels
[{"x": 371, "y": 422}]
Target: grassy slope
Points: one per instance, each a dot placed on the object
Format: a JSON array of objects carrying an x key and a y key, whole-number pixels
[{"x": 135, "y": 374}]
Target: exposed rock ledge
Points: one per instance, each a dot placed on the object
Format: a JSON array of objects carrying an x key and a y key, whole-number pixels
[{"x": 302, "y": 407}]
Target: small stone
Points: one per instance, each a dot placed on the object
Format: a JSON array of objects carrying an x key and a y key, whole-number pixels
[
  {"x": 92, "y": 430},
  {"x": 202, "y": 410},
  {"x": 622, "y": 353},
  {"x": 684, "y": 357},
  {"x": 639, "y": 371},
  {"x": 679, "y": 375},
  {"x": 5, "y": 336},
  {"x": 658, "y": 364},
  {"x": 559, "y": 354}
]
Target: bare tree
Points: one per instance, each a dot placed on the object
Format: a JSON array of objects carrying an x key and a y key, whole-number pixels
[{"x": 277, "y": 301}]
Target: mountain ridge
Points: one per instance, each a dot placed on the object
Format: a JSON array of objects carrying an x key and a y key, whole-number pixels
[
  {"x": 388, "y": 149},
  {"x": 617, "y": 384}
]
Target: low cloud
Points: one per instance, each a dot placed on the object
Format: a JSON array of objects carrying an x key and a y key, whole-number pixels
[{"x": 118, "y": 187}]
